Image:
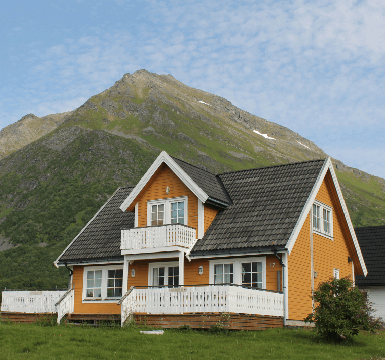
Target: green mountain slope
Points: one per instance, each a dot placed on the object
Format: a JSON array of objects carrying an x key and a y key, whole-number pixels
[{"x": 50, "y": 188}]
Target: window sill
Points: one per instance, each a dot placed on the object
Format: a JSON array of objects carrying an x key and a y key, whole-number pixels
[
  {"x": 99, "y": 300},
  {"x": 319, "y": 233}
]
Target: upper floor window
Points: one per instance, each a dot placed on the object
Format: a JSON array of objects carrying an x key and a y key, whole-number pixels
[
  {"x": 322, "y": 219},
  {"x": 167, "y": 211}
]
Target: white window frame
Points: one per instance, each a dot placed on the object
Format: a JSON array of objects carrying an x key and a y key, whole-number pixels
[
  {"x": 336, "y": 273},
  {"x": 166, "y": 265},
  {"x": 321, "y": 230},
  {"x": 167, "y": 209},
  {"x": 237, "y": 268},
  {"x": 104, "y": 270}
]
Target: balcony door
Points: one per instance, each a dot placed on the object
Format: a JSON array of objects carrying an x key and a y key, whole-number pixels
[{"x": 163, "y": 274}]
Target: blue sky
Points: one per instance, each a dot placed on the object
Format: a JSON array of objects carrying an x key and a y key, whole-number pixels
[{"x": 316, "y": 67}]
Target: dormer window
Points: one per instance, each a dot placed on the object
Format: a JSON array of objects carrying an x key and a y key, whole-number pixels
[
  {"x": 167, "y": 211},
  {"x": 322, "y": 219}
]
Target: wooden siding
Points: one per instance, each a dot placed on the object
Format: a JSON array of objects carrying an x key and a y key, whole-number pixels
[
  {"x": 141, "y": 273},
  {"x": 272, "y": 266},
  {"x": 299, "y": 271},
  {"x": 330, "y": 254},
  {"x": 210, "y": 213},
  {"x": 204, "y": 321},
  {"x": 156, "y": 189},
  {"x": 97, "y": 307},
  {"x": 327, "y": 254},
  {"x": 191, "y": 272}
]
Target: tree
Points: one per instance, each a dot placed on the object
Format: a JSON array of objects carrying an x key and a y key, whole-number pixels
[{"x": 341, "y": 310}]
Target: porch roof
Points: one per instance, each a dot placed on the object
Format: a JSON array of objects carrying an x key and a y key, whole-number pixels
[{"x": 100, "y": 238}]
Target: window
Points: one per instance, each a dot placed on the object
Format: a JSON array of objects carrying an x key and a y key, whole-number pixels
[
  {"x": 157, "y": 214},
  {"x": 164, "y": 274},
  {"x": 102, "y": 283},
  {"x": 336, "y": 273},
  {"x": 177, "y": 212},
  {"x": 322, "y": 219},
  {"x": 247, "y": 272},
  {"x": 223, "y": 273},
  {"x": 167, "y": 211},
  {"x": 94, "y": 283},
  {"x": 115, "y": 283},
  {"x": 252, "y": 274}
]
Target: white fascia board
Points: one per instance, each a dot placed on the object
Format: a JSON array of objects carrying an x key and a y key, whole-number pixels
[
  {"x": 348, "y": 220},
  {"x": 182, "y": 175},
  {"x": 92, "y": 263},
  {"x": 57, "y": 260},
  {"x": 328, "y": 165},
  {"x": 238, "y": 254}
]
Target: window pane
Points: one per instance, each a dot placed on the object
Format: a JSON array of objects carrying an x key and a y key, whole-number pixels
[
  {"x": 98, "y": 283},
  {"x": 90, "y": 283},
  {"x": 90, "y": 275},
  {"x": 174, "y": 206},
  {"x": 98, "y": 274},
  {"x": 110, "y": 282},
  {"x": 218, "y": 279},
  {"x": 119, "y": 273},
  {"x": 110, "y": 292},
  {"x": 161, "y": 207},
  {"x": 98, "y": 292}
]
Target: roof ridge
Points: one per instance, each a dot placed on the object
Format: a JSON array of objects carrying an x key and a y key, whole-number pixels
[
  {"x": 272, "y": 166},
  {"x": 195, "y": 166}
]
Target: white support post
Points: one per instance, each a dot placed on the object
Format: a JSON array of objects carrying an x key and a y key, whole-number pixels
[
  {"x": 285, "y": 288},
  {"x": 181, "y": 268},
  {"x": 201, "y": 219},
  {"x": 126, "y": 263}
]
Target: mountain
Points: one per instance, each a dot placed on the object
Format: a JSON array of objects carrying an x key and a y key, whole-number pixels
[
  {"x": 51, "y": 187},
  {"x": 26, "y": 130}
]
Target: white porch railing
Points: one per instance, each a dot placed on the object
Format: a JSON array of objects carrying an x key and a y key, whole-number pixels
[
  {"x": 65, "y": 305},
  {"x": 30, "y": 301},
  {"x": 158, "y": 237},
  {"x": 205, "y": 299}
]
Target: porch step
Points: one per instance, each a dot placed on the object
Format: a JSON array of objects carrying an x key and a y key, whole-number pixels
[
  {"x": 93, "y": 318},
  {"x": 22, "y": 317}
]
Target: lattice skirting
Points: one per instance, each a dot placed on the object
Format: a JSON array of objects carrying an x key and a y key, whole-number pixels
[{"x": 228, "y": 321}]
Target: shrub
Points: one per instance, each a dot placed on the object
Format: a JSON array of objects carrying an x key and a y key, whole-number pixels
[{"x": 341, "y": 310}]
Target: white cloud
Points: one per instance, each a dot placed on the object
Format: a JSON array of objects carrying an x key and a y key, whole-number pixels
[{"x": 315, "y": 67}]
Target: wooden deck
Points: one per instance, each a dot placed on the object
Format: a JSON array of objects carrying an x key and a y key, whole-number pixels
[{"x": 205, "y": 321}]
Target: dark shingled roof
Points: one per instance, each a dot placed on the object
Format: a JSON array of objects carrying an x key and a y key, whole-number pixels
[
  {"x": 206, "y": 180},
  {"x": 372, "y": 244},
  {"x": 267, "y": 203},
  {"x": 101, "y": 238}
]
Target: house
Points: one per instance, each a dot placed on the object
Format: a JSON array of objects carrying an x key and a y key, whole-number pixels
[
  {"x": 372, "y": 243},
  {"x": 187, "y": 247}
]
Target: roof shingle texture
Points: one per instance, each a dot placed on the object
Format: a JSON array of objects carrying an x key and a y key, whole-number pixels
[
  {"x": 267, "y": 203},
  {"x": 372, "y": 244},
  {"x": 206, "y": 180},
  {"x": 101, "y": 238}
]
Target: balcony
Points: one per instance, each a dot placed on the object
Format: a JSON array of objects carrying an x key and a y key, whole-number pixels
[{"x": 166, "y": 238}]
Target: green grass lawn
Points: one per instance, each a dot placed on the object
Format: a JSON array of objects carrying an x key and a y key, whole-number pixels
[{"x": 34, "y": 341}]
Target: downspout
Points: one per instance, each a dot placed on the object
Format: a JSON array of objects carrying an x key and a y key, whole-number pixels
[
  {"x": 70, "y": 276},
  {"x": 283, "y": 287}
]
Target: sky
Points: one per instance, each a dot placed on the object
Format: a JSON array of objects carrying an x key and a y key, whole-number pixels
[{"x": 316, "y": 67}]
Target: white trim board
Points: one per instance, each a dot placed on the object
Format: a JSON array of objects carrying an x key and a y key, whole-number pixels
[
  {"x": 181, "y": 174},
  {"x": 306, "y": 209}
]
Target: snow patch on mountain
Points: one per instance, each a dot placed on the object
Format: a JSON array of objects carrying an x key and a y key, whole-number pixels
[{"x": 263, "y": 135}]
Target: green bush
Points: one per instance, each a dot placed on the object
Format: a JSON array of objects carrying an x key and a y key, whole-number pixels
[{"x": 341, "y": 310}]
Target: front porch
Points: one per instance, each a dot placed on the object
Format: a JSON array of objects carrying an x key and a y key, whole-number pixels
[{"x": 203, "y": 306}]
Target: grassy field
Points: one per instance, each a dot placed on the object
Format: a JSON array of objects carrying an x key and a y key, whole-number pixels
[{"x": 34, "y": 341}]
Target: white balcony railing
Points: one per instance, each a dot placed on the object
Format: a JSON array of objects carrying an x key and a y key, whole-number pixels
[
  {"x": 31, "y": 301},
  {"x": 65, "y": 305},
  {"x": 157, "y": 237},
  {"x": 205, "y": 299}
]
